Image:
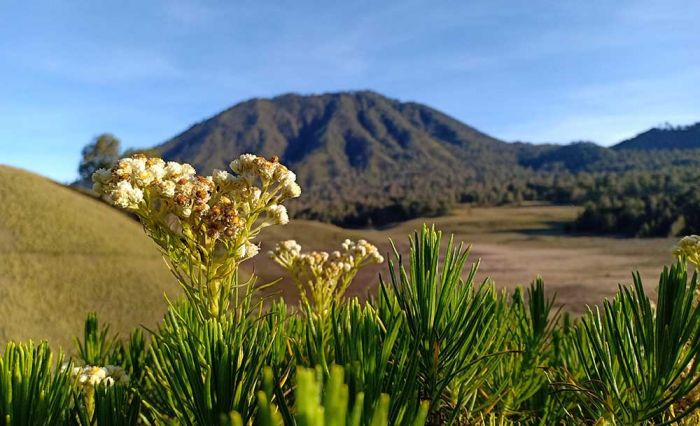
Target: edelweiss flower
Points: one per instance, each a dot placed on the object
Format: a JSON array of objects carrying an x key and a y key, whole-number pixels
[
  {"x": 166, "y": 188},
  {"x": 290, "y": 246},
  {"x": 321, "y": 277},
  {"x": 278, "y": 214},
  {"x": 91, "y": 376},
  {"x": 205, "y": 221},
  {"x": 688, "y": 249},
  {"x": 156, "y": 191},
  {"x": 291, "y": 190},
  {"x": 251, "y": 249},
  {"x": 126, "y": 196},
  {"x": 252, "y": 167}
]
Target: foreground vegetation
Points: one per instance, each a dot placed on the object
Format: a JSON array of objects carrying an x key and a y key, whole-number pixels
[{"x": 432, "y": 347}]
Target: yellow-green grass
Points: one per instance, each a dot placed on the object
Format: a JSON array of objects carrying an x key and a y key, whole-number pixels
[{"x": 63, "y": 254}]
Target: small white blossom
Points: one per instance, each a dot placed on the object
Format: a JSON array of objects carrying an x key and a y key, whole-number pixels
[
  {"x": 291, "y": 190},
  {"x": 240, "y": 252},
  {"x": 157, "y": 170},
  {"x": 91, "y": 376},
  {"x": 321, "y": 277},
  {"x": 243, "y": 164},
  {"x": 185, "y": 212},
  {"x": 278, "y": 214},
  {"x": 173, "y": 170},
  {"x": 688, "y": 249},
  {"x": 126, "y": 196},
  {"x": 251, "y": 249},
  {"x": 166, "y": 188}
]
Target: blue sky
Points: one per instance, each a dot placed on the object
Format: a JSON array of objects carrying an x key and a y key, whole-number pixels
[{"x": 540, "y": 71}]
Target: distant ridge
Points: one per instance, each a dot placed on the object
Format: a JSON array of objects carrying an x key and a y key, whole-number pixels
[{"x": 668, "y": 137}]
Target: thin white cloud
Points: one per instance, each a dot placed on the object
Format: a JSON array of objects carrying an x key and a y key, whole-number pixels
[
  {"x": 94, "y": 63},
  {"x": 625, "y": 93},
  {"x": 188, "y": 12},
  {"x": 103, "y": 65}
]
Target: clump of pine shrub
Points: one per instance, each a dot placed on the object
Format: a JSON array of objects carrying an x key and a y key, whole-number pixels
[{"x": 432, "y": 346}]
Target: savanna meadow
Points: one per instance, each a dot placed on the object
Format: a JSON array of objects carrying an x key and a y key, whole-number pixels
[
  {"x": 366, "y": 213},
  {"x": 432, "y": 345}
]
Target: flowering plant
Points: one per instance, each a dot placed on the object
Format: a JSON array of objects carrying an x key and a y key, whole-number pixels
[
  {"x": 88, "y": 378},
  {"x": 204, "y": 224},
  {"x": 688, "y": 249},
  {"x": 91, "y": 376},
  {"x": 323, "y": 277}
]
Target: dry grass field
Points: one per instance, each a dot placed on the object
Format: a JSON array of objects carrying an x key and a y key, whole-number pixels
[
  {"x": 514, "y": 245},
  {"x": 63, "y": 254}
]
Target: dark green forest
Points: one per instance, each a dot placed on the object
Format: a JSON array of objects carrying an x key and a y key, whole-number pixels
[{"x": 646, "y": 195}]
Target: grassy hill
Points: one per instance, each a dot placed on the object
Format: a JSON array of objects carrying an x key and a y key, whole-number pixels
[{"x": 64, "y": 254}]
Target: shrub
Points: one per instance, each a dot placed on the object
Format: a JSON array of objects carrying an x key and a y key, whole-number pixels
[{"x": 33, "y": 389}]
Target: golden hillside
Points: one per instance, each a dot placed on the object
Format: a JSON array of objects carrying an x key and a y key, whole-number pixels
[{"x": 63, "y": 254}]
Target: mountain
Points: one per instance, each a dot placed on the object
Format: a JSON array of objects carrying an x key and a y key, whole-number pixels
[
  {"x": 668, "y": 137},
  {"x": 363, "y": 159},
  {"x": 341, "y": 134},
  {"x": 65, "y": 254},
  {"x": 360, "y": 157}
]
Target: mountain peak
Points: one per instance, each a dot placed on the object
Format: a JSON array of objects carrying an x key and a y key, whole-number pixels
[
  {"x": 348, "y": 130},
  {"x": 346, "y": 147}
]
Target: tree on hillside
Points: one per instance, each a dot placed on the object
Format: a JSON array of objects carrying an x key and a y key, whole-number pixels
[{"x": 102, "y": 152}]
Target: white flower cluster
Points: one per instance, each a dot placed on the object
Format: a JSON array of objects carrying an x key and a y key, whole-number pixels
[
  {"x": 362, "y": 249},
  {"x": 91, "y": 376},
  {"x": 322, "y": 277},
  {"x": 688, "y": 248},
  {"x": 205, "y": 224},
  {"x": 270, "y": 172},
  {"x": 171, "y": 197}
]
